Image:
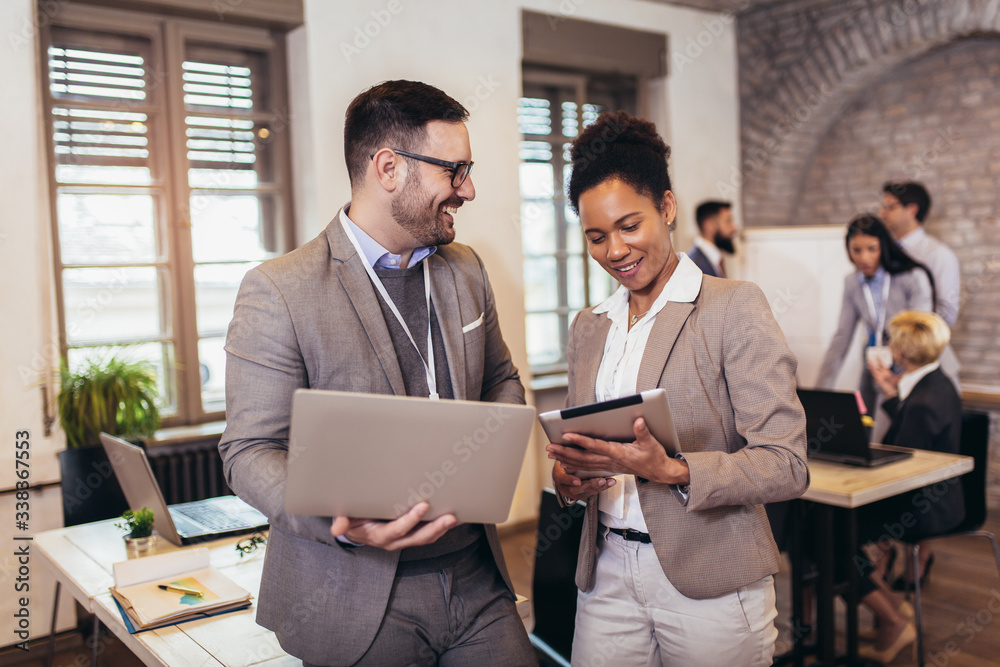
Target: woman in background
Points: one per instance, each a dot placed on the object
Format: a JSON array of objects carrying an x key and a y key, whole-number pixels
[
  {"x": 886, "y": 281},
  {"x": 926, "y": 413}
]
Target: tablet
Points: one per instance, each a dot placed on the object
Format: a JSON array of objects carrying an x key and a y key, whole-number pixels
[{"x": 612, "y": 420}]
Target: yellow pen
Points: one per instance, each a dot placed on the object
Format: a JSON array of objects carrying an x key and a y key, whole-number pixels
[{"x": 181, "y": 589}]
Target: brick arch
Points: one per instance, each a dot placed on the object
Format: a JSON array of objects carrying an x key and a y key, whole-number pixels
[{"x": 785, "y": 117}]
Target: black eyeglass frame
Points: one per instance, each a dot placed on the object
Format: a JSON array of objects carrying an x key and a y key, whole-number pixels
[
  {"x": 250, "y": 544},
  {"x": 454, "y": 166}
]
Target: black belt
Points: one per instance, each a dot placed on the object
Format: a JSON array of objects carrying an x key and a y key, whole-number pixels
[{"x": 632, "y": 535}]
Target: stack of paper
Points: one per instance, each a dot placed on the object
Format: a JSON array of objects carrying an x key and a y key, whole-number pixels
[{"x": 172, "y": 588}]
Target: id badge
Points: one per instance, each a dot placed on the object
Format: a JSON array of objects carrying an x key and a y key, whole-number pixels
[{"x": 880, "y": 353}]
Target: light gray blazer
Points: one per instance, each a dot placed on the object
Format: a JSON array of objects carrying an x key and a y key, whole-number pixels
[
  {"x": 730, "y": 380},
  {"x": 910, "y": 290},
  {"x": 312, "y": 319}
]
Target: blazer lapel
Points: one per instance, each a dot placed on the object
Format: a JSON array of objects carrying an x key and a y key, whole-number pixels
[
  {"x": 357, "y": 284},
  {"x": 589, "y": 357},
  {"x": 666, "y": 328},
  {"x": 444, "y": 301}
]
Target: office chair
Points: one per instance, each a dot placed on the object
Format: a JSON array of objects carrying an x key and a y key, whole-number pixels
[
  {"x": 553, "y": 585},
  {"x": 975, "y": 443}
]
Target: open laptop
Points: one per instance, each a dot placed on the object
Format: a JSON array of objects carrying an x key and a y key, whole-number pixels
[
  {"x": 185, "y": 523},
  {"x": 834, "y": 430},
  {"x": 375, "y": 456}
]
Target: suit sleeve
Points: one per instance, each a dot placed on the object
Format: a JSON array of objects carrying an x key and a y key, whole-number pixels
[
  {"x": 841, "y": 341},
  {"x": 759, "y": 370},
  {"x": 501, "y": 381},
  {"x": 264, "y": 366}
]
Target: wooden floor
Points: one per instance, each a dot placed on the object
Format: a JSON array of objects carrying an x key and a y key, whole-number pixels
[
  {"x": 961, "y": 609},
  {"x": 961, "y": 600}
]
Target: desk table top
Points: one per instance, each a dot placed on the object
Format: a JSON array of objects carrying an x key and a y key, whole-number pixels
[{"x": 850, "y": 486}]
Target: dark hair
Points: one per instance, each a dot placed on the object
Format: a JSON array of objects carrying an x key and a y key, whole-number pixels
[
  {"x": 891, "y": 256},
  {"x": 619, "y": 145},
  {"x": 709, "y": 209},
  {"x": 910, "y": 193},
  {"x": 393, "y": 114}
]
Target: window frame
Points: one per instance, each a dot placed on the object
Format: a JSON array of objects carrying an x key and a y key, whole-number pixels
[{"x": 169, "y": 37}]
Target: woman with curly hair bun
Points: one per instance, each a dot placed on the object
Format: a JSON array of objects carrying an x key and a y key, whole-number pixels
[{"x": 676, "y": 558}]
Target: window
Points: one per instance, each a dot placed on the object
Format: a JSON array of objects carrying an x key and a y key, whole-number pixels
[
  {"x": 169, "y": 172},
  {"x": 560, "y": 278}
]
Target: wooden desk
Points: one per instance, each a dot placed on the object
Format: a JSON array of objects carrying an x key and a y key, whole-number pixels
[
  {"x": 837, "y": 487},
  {"x": 81, "y": 558}
]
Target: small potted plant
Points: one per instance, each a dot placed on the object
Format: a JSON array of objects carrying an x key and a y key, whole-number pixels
[{"x": 141, "y": 536}]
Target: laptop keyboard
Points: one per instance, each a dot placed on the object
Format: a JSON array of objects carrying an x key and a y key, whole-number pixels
[{"x": 213, "y": 518}]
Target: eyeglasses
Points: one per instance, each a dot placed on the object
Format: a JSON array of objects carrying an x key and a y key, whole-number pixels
[
  {"x": 459, "y": 170},
  {"x": 890, "y": 206},
  {"x": 250, "y": 544}
]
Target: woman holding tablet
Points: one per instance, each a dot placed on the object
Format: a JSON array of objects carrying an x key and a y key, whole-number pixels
[{"x": 676, "y": 558}]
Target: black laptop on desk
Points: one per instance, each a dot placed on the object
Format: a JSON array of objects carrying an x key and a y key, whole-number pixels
[{"x": 834, "y": 431}]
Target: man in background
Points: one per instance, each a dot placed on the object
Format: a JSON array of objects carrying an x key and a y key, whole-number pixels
[
  {"x": 904, "y": 209},
  {"x": 716, "y": 230}
]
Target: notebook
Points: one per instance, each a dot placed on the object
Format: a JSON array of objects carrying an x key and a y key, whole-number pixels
[
  {"x": 184, "y": 523},
  {"x": 374, "y": 456},
  {"x": 834, "y": 431}
]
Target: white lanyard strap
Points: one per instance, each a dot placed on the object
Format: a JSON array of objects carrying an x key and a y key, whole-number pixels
[
  {"x": 429, "y": 370},
  {"x": 878, "y": 317}
]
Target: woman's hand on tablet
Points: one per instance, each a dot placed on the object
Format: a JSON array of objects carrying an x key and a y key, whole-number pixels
[
  {"x": 406, "y": 531},
  {"x": 572, "y": 487},
  {"x": 645, "y": 457}
]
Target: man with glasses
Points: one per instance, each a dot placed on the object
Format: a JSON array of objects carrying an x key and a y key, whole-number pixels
[
  {"x": 381, "y": 302},
  {"x": 904, "y": 209}
]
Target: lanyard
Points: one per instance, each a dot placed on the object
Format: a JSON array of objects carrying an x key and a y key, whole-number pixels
[
  {"x": 429, "y": 370},
  {"x": 879, "y": 318}
]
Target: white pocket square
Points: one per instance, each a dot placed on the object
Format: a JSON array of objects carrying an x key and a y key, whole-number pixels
[{"x": 478, "y": 323}]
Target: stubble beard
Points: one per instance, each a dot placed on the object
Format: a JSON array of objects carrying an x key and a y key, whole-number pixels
[{"x": 421, "y": 219}]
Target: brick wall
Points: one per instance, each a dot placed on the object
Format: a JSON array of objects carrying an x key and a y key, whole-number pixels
[{"x": 838, "y": 97}]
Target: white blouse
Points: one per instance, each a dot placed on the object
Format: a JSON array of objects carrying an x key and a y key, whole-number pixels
[{"x": 616, "y": 377}]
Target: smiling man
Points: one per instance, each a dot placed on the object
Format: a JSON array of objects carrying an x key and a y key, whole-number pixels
[{"x": 381, "y": 302}]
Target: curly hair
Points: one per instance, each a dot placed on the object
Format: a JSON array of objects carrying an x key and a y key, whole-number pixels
[{"x": 622, "y": 146}]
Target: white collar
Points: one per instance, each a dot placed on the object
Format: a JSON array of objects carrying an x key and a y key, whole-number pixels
[
  {"x": 683, "y": 286},
  {"x": 709, "y": 250},
  {"x": 907, "y": 381}
]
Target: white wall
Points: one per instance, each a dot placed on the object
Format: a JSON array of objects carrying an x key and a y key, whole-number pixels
[
  {"x": 802, "y": 271},
  {"x": 27, "y": 350}
]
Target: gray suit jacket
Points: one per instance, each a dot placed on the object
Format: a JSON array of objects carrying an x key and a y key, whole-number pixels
[
  {"x": 730, "y": 380},
  {"x": 312, "y": 319},
  {"x": 907, "y": 291}
]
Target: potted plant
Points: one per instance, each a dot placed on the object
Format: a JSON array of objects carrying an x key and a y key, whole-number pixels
[
  {"x": 139, "y": 525},
  {"x": 113, "y": 394}
]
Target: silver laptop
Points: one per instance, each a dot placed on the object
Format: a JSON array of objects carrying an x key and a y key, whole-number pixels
[
  {"x": 184, "y": 523},
  {"x": 375, "y": 456}
]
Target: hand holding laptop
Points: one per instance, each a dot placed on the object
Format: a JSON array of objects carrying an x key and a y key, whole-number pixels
[{"x": 406, "y": 531}]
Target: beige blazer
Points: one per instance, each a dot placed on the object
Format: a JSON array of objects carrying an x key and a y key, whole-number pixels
[
  {"x": 730, "y": 380},
  {"x": 311, "y": 319}
]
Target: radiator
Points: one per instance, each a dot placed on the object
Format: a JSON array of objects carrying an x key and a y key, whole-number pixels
[{"x": 188, "y": 471}]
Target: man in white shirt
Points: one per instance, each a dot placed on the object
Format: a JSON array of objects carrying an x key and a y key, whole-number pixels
[
  {"x": 904, "y": 209},
  {"x": 716, "y": 230}
]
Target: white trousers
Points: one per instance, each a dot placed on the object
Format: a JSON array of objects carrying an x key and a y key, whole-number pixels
[{"x": 635, "y": 616}]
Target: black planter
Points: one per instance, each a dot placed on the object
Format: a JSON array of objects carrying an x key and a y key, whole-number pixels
[{"x": 90, "y": 490}]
